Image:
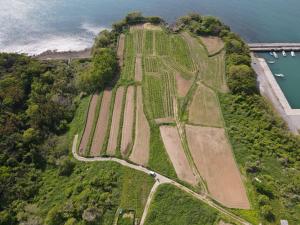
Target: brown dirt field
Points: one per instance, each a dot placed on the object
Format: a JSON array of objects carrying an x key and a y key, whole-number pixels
[
  {"x": 165, "y": 120},
  {"x": 183, "y": 85},
  {"x": 150, "y": 26},
  {"x": 141, "y": 147},
  {"x": 127, "y": 128},
  {"x": 102, "y": 124},
  {"x": 138, "y": 69},
  {"x": 204, "y": 108},
  {"x": 223, "y": 223},
  {"x": 212, "y": 44},
  {"x": 212, "y": 155},
  {"x": 115, "y": 123},
  {"x": 176, "y": 153},
  {"x": 89, "y": 124},
  {"x": 120, "y": 51}
]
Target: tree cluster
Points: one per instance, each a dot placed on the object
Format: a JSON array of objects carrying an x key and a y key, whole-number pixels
[{"x": 36, "y": 103}]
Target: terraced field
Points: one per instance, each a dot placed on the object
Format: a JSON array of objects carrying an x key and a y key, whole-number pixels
[{"x": 168, "y": 83}]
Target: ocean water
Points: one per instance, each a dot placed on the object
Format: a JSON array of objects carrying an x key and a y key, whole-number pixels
[
  {"x": 33, "y": 26},
  {"x": 290, "y": 67}
]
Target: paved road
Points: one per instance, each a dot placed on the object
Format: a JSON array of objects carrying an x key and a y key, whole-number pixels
[{"x": 160, "y": 179}]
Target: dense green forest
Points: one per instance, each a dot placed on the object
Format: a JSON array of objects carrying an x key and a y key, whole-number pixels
[{"x": 267, "y": 153}]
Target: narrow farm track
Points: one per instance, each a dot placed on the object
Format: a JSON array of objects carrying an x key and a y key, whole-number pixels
[{"x": 160, "y": 179}]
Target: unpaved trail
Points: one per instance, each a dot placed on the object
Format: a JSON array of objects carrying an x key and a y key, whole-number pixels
[
  {"x": 89, "y": 124},
  {"x": 102, "y": 124},
  {"x": 138, "y": 68},
  {"x": 212, "y": 155},
  {"x": 176, "y": 153},
  {"x": 120, "y": 51},
  {"x": 141, "y": 147},
  {"x": 148, "y": 203},
  {"x": 115, "y": 123},
  {"x": 127, "y": 128},
  {"x": 161, "y": 179}
]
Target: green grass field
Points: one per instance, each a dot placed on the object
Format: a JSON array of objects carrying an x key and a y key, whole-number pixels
[
  {"x": 130, "y": 190},
  {"x": 173, "y": 206},
  {"x": 204, "y": 108}
]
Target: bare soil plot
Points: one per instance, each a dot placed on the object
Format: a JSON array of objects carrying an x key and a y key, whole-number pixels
[
  {"x": 138, "y": 69},
  {"x": 165, "y": 120},
  {"x": 127, "y": 128},
  {"x": 212, "y": 44},
  {"x": 102, "y": 124},
  {"x": 141, "y": 147},
  {"x": 89, "y": 124},
  {"x": 120, "y": 51},
  {"x": 204, "y": 109},
  {"x": 115, "y": 123},
  {"x": 176, "y": 153},
  {"x": 150, "y": 26},
  {"x": 183, "y": 85},
  {"x": 213, "y": 157},
  {"x": 223, "y": 223}
]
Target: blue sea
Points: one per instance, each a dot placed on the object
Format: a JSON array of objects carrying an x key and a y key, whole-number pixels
[{"x": 33, "y": 26}]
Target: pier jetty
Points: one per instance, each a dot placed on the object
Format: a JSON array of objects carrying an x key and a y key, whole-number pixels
[{"x": 262, "y": 47}]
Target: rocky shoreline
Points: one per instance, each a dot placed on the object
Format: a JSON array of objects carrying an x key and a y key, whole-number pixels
[{"x": 55, "y": 55}]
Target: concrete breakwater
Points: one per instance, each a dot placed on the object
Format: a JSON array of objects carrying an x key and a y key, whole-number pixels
[
  {"x": 270, "y": 89},
  {"x": 261, "y": 47}
]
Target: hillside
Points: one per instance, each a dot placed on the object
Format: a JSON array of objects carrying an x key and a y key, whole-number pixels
[{"x": 181, "y": 102}]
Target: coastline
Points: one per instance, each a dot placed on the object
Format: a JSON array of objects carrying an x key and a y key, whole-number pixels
[{"x": 61, "y": 55}]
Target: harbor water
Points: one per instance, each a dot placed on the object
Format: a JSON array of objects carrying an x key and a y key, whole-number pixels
[{"x": 290, "y": 68}]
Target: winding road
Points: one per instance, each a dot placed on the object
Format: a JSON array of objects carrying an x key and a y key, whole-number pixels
[{"x": 160, "y": 179}]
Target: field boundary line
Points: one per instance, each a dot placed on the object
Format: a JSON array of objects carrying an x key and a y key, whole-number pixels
[{"x": 160, "y": 180}]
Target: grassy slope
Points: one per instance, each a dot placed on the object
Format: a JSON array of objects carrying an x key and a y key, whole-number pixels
[
  {"x": 172, "y": 206},
  {"x": 254, "y": 134},
  {"x": 133, "y": 186}
]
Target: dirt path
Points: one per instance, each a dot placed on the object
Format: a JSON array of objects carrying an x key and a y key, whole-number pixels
[
  {"x": 148, "y": 203},
  {"x": 176, "y": 153},
  {"x": 89, "y": 124},
  {"x": 102, "y": 124},
  {"x": 115, "y": 123},
  {"x": 161, "y": 179},
  {"x": 138, "y": 68},
  {"x": 120, "y": 51},
  {"x": 141, "y": 147},
  {"x": 212, "y": 155},
  {"x": 127, "y": 128}
]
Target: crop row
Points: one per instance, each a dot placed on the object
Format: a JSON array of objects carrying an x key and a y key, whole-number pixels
[
  {"x": 138, "y": 40},
  {"x": 129, "y": 57},
  {"x": 151, "y": 64},
  {"x": 162, "y": 43},
  {"x": 169, "y": 82},
  {"x": 180, "y": 53},
  {"x": 148, "y": 42},
  {"x": 154, "y": 96}
]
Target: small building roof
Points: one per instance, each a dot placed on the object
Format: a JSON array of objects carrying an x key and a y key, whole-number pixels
[{"x": 284, "y": 222}]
